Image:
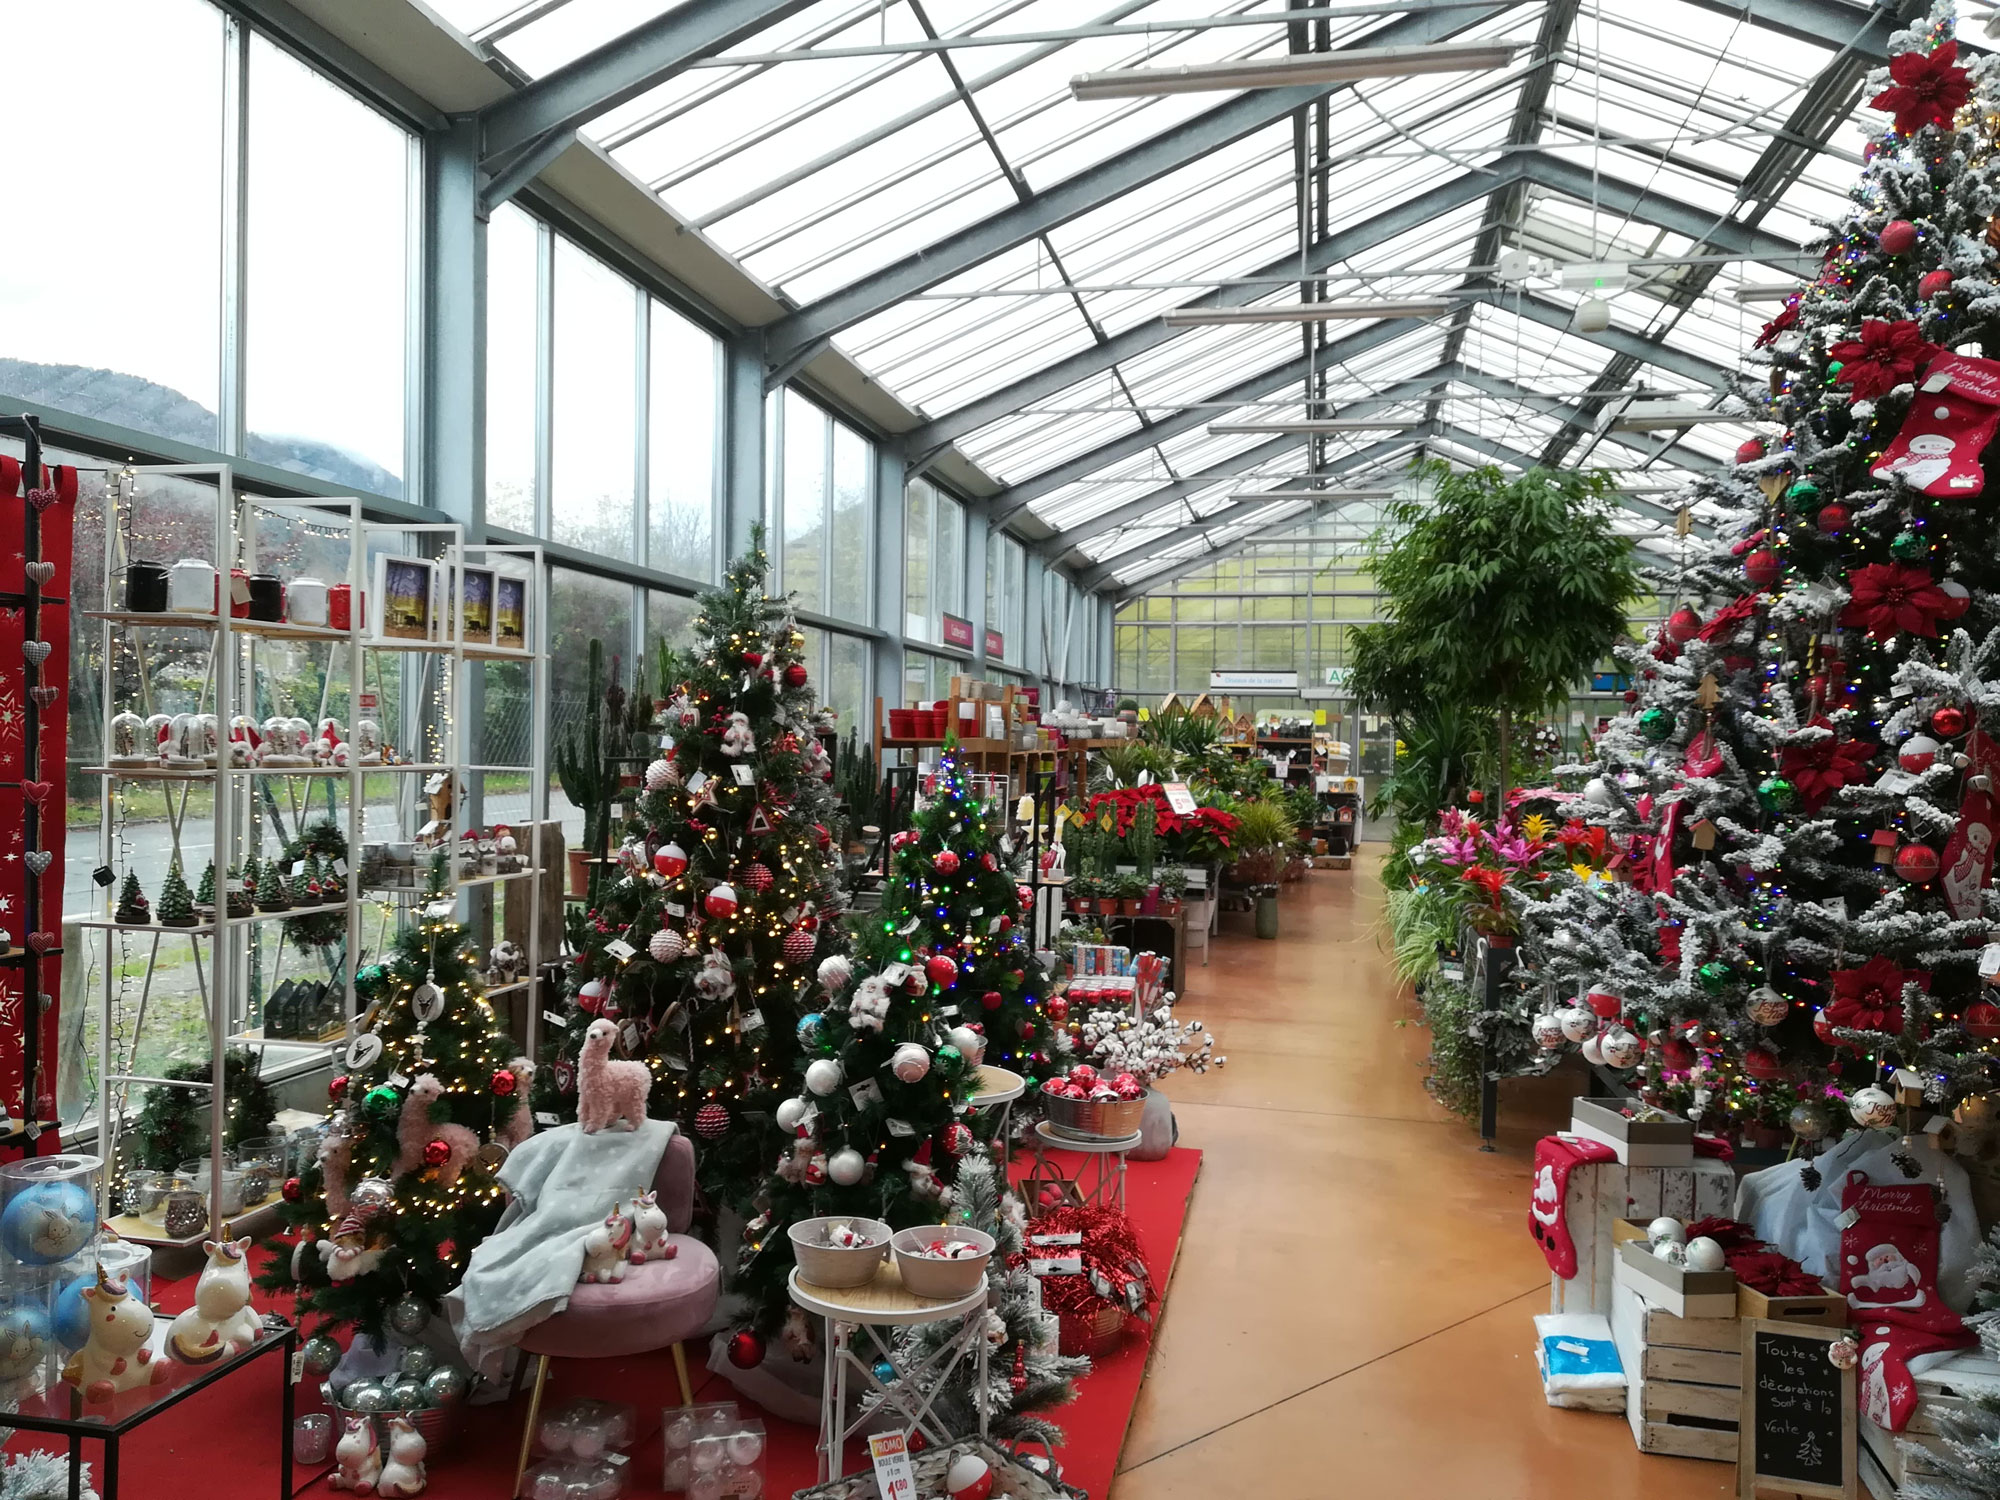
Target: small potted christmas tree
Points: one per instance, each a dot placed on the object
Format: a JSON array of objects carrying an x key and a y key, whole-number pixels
[
  {"x": 272, "y": 892},
  {"x": 238, "y": 885},
  {"x": 133, "y": 909},
  {"x": 176, "y": 901},
  {"x": 204, "y": 894}
]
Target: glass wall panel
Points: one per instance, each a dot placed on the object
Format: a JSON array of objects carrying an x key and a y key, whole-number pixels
[
  {"x": 669, "y": 618},
  {"x": 582, "y": 607},
  {"x": 595, "y": 429},
  {"x": 804, "y": 501},
  {"x": 919, "y": 506},
  {"x": 950, "y": 557},
  {"x": 328, "y": 248},
  {"x": 846, "y": 684},
  {"x": 684, "y": 380},
  {"x": 513, "y": 254},
  {"x": 118, "y": 318},
  {"x": 852, "y": 550}
]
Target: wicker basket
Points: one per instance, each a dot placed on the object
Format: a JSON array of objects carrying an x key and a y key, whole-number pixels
[
  {"x": 1012, "y": 1479},
  {"x": 832, "y": 1265},
  {"x": 1093, "y": 1119},
  {"x": 1093, "y": 1333}
]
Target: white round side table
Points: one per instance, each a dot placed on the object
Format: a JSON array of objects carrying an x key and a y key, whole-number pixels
[{"x": 1099, "y": 1179}]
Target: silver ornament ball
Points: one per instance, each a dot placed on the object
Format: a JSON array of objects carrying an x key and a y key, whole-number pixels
[
  {"x": 409, "y": 1316},
  {"x": 417, "y": 1362},
  {"x": 366, "y": 1396},
  {"x": 407, "y": 1395},
  {"x": 446, "y": 1386},
  {"x": 321, "y": 1354}
]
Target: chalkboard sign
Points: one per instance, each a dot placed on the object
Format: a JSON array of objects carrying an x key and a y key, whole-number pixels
[{"x": 1797, "y": 1416}]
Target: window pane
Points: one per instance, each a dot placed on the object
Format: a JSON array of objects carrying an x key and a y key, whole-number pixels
[
  {"x": 328, "y": 244},
  {"x": 804, "y": 501},
  {"x": 852, "y": 489},
  {"x": 669, "y": 618},
  {"x": 950, "y": 556},
  {"x": 512, "y": 248},
  {"x": 114, "y": 318},
  {"x": 596, "y": 388},
  {"x": 680, "y": 489},
  {"x": 846, "y": 688},
  {"x": 582, "y": 607},
  {"x": 917, "y": 561}
]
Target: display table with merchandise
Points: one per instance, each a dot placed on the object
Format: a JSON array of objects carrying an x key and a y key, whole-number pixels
[
  {"x": 61, "y": 1409},
  {"x": 886, "y": 1303}
]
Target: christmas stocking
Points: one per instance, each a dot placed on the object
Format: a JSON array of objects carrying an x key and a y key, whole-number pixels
[
  {"x": 1968, "y": 853},
  {"x": 1555, "y": 1158},
  {"x": 1951, "y": 420},
  {"x": 1888, "y": 1271},
  {"x": 1888, "y": 1389}
]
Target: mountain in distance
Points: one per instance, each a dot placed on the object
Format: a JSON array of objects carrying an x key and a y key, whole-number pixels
[{"x": 132, "y": 401}]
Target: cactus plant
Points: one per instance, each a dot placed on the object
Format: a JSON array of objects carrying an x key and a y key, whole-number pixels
[{"x": 580, "y": 760}]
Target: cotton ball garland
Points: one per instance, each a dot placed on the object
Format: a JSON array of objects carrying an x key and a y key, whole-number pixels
[
  {"x": 823, "y": 1076},
  {"x": 845, "y": 1166},
  {"x": 910, "y": 1063}
]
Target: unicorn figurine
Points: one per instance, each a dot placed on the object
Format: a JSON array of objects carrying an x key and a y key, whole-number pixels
[
  {"x": 116, "y": 1358},
  {"x": 604, "y": 1247},
  {"x": 221, "y": 1320},
  {"x": 404, "y": 1473},
  {"x": 649, "y": 1231},
  {"x": 358, "y": 1454}
]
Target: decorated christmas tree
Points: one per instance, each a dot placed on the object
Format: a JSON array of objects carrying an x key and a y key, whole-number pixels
[
  {"x": 705, "y": 946},
  {"x": 204, "y": 894},
  {"x": 942, "y": 976},
  {"x": 274, "y": 892},
  {"x": 405, "y": 1183},
  {"x": 133, "y": 908},
  {"x": 1800, "y": 800}
]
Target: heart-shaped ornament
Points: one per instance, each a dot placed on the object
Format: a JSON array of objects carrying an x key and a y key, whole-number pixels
[
  {"x": 39, "y": 861},
  {"x": 42, "y": 499},
  {"x": 36, "y": 652},
  {"x": 41, "y": 572},
  {"x": 41, "y": 942},
  {"x": 37, "y": 792},
  {"x": 45, "y": 697}
]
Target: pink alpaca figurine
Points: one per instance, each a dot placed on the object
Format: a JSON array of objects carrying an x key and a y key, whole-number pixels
[
  {"x": 415, "y": 1131},
  {"x": 336, "y": 1158},
  {"x": 518, "y": 1126},
  {"x": 608, "y": 1091}
]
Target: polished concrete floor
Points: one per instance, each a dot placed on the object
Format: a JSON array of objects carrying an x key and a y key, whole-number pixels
[{"x": 1350, "y": 1313}]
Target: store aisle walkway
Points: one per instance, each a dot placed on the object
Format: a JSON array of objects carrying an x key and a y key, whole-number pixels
[{"x": 1350, "y": 1312}]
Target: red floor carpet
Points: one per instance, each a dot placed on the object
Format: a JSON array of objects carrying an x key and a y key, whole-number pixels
[{"x": 223, "y": 1443}]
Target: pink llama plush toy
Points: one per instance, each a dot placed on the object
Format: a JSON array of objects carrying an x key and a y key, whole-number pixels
[
  {"x": 518, "y": 1126},
  {"x": 607, "y": 1091},
  {"x": 415, "y": 1131}
]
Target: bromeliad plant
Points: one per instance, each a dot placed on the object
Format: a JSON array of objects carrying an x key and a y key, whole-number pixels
[{"x": 1490, "y": 872}]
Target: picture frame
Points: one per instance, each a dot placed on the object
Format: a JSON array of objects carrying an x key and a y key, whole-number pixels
[
  {"x": 405, "y": 598},
  {"x": 511, "y": 625},
  {"x": 475, "y": 586}
]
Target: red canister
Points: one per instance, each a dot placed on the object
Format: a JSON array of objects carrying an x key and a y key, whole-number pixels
[{"x": 339, "y": 606}]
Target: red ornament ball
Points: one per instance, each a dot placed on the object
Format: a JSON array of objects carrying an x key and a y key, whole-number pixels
[
  {"x": 1676, "y": 1053},
  {"x": 799, "y": 945},
  {"x": 753, "y": 658},
  {"x": 746, "y": 1349},
  {"x": 670, "y": 860},
  {"x": 503, "y": 1082},
  {"x": 293, "y": 1190},
  {"x": 795, "y": 675},
  {"x": 1762, "y": 567},
  {"x": 1917, "y": 863},
  {"x": 1631, "y": 695},
  {"x": 1604, "y": 1005},
  {"x": 1949, "y": 721},
  {"x": 758, "y": 878},
  {"x": 991, "y": 999},
  {"x": 942, "y": 971},
  {"x": 1917, "y": 754},
  {"x": 710, "y": 1122},
  {"x": 1058, "y": 1008},
  {"x": 1475, "y": 797},
  {"x": 720, "y": 902},
  {"x": 338, "y": 1087},
  {"x": 1833, "y": 519},
  {"x": 436, "y": 1153},
  {"x": 944, "y": 862},
  {"x": 1683, "y": 625},
  {"x": 1025, "y": 896},
  {"x": 1960, "y": 599},
  {"x": 1982, "y": 1020},
  {"x": 822, "y": 835},
  {"x": 1898, "y": 237},
  {"x": 1749, "y": 452},
  {"x": 1762, "y": 1063},
  {"x": 1934, "y": 282}
]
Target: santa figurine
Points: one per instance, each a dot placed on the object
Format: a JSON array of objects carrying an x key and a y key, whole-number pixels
[{"x": 1890, "y": 1281}]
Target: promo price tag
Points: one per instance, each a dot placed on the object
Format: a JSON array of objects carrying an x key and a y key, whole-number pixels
[
  {"x": 619, "y": 949},
  {"x": 753, "y": 1020},
  {"x": 865, "y": 1093},
  {"x": 629, "y": 1035},
  {"x": 1056, "y": 1265},
  {"x": 745, "y": 775},
  {"x": 553, "y": 1019},
  {"x": 676, "y": 909},
  {"x": 1179, "y": 798},
  {"x": 894, "y": 1479}
]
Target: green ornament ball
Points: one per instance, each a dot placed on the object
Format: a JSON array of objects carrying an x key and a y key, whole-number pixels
[
  {"x": 1803, "y": 491},
  {"x": 1908, "y": 546},
  {"x": 370, "y": 978},
  {"x": 1713, "y": 976},
  {"x": 1833, "y": 372},
  {"x": 1656, "y": 724},
  {"x": 1777, "y": 794},
  {"x": 949, "y": 1057},
  {"x": 382, "y": 1105}
]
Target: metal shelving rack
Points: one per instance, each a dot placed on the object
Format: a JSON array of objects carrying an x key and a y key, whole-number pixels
[{"x": 224, "y": 981}]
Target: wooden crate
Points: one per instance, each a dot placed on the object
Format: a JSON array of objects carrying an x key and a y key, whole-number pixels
[
  {"x": 1947, "y": 1388},
  {"x": 1601, "y": 1193},
  {"x": 1684, "y": 1379}
]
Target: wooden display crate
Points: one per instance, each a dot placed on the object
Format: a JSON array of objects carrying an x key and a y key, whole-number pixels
[
  {"x": 1683, "y": 1379},
  {"x": 1601, "y": 1193},
  {"x": 1950, "y": 1387},
  {"x": 1639, "y": 1143},
  {"x": 1684, "y": 1293},
  {"x": 1827, "y": 1310}
]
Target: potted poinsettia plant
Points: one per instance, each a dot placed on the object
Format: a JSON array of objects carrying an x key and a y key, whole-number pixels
[{"x": 1489, "y": 871}]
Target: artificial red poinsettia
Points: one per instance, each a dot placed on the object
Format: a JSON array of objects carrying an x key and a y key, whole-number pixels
[
  {"x": 1785, "y": 319},
  {"x": 1886, "y": 355},
  {"x": 1824, "y": 766},
  {"x": 1870, "y": 998},
  {"x": 1924, "y": 89},
  {"x": 1888, "y": 597},
  {"x": 1726, "y": 619}
]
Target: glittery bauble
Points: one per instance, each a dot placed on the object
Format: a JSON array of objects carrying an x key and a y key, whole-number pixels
[
  {"x": 382, "y": 1105},
  {"x": 757, "y": 879},
  {"x": 1809, "y": 1121},
  {"x": 1982, "y": 1020},
  {"x": 1898, "y": 237},
  {"x": 372, "y": 1196},
  {"x": 436, "y": 1153},
  {"x": 1676, "y": 1054},
  {"x": 1908, "y": 546},
  {"x": 416, "y": 1362},
  {"x": 1762, "y": 567},
  {"x": 1803, "y": 492},
  {"x": 337, "y": 1087},
  {"x": 445, "y": 1386},
  {"x": 746, "y": 1349},
  {"x": 321, "y": 1354},
  {"x": 711, "y": 1121},
  {"x": 1714, "y": 975},
  {"x": 1058, "y": 1008},
  {"x": 1871, "y": 1108},
  {"x": 1656, "y": 724},
  {"x": 1834, "y": 518},
  {"x": 1025, "y": 895},
  {"x": 810, "y": 1026},
  {"x": 1777, "y": 793},
  {"x": 1767, "y": 1007},
  {"x": 799, "y": 946},
  {"x": 1683, "y": 625},
  {"x": 1917, "y": 863},
  {"x": 366, "y": 1396},
  {"x": 503, "y": 1082},
  {"x": 293, "y": 1190},
  {"x": 1949, "y": 721},
  {"x": 884, "y": 1371},
  {"x": 945, "y": 862},
  {"x": 1750, "y": 451},
  {"x": 409, "y": 1316}
]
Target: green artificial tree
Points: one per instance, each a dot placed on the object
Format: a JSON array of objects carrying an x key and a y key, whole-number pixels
[
  {"x": 133, "y": 908},
  {"x": 941, "y": 974},
  {"x": 173, "y": 1122},
  {"x": 176, "y": 901},
  {"x": 274, "y": 892},
  {"x": 204, "y": 895},
  {"x": 405, "y": 1185},
  {"x": 706, "y": 941}
]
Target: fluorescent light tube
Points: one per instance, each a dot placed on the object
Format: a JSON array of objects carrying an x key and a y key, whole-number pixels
[
  {"x": 1309, "y": 312},
  {"x": 1287, "y": 72},
  {"x": 1769, "y": 291},
  {"x": 1315, "y": 495},
  {"x": 1307, "y": 429},
  {"x": 1654, "y": 416}
]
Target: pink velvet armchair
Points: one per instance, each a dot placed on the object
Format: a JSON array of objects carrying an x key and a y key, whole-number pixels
[{"x": 658, "y": 1304}]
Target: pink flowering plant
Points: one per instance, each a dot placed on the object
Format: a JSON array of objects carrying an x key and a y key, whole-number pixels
[{"x": 1490, "y": 871}]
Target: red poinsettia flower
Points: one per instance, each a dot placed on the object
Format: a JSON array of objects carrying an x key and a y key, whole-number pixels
[
  {"x": 1870, "y": 998},
  {"x": 1779, "y": 324},
  {"x": 1886, "y": 355},
  {"x": 1824, "y": 766},
  {"x": 1728, "y": 618},
  {"x": 1924, "y": 89},
  {"x": 1888, "y": 597}
]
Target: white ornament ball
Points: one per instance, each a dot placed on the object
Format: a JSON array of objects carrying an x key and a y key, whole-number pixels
[
  {"x": 1871, "y": 1107},
  {"x": 823, "y": 1076},
  {"x": 1673, "y": 1252},
  {"x": 1548, "y": 1033},
  {"x": 1599, "y": 793},
  {"x": 971, "y": 1045},
  {"x": 968, "y": 1478},
  {"x": 667, "y": 945},
  {"x": 1917, "y": 753},
  {"x": 1663, "y": 1229},
  {"x": 1577, "y": 1023},
  {"x": 834, "y": 972},
  {"x": 1593, "y": 1051},
  {"x": 910, "y": 1063},
  {"x": 791, "y": 1113},
  {"x": 1703, "y": 1254},
  {"x": 1767, "y": 1007},
  {"x": 658, "y": 774},
  {"x": 1621, "y": 1048},
  {"x": 846, "y": 1165}
]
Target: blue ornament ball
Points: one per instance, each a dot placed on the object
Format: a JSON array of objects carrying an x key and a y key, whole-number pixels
[
  {"x": 24, "y": 1339},
  {"x": 48, "y": 1222},
  {"x": 809, "y": 1027},
  {"x": 884, "y": 1371},
  {"x": 72, "y": 1322}
]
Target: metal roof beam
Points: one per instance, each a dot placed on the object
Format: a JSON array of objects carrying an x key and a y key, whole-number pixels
[
  {"x": 1666, "y": 450},
  {"x": 1825, "y": 23},
  {"x": 1617, "y": 197},
  {"x": 622, "y": 69},
  {"x": 1091, "y": 188},
  {"x": 1617, "y": 340}
]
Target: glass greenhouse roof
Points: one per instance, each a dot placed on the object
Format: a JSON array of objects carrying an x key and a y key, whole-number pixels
[{"x": 916, "y": 181}]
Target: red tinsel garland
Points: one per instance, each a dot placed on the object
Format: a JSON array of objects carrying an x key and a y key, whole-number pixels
[{"x": 1112, "y": 1257}]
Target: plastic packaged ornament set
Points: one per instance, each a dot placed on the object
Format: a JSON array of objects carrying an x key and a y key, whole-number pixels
[{"x": 713, "y": 1452}]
